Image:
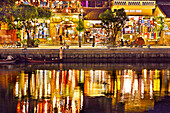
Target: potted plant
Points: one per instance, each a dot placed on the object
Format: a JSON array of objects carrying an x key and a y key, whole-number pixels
[
  {"x": 36, "y": 42},
  {"x": 24, "y": 43}
]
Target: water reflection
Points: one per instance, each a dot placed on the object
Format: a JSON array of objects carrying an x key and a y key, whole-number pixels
[{"x": 77, "y": 90}]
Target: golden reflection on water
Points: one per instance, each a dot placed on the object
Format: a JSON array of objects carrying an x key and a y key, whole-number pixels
[{"x": 68, "y": 91}]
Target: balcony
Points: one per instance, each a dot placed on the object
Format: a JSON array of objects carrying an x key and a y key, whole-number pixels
[
  {"x": 65, "y": 10},
  {"x": 135, "y": 2}
]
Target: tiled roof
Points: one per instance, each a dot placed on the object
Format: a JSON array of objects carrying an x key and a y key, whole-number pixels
[
  {"x": 163, "y": 2},
  {"x": 93, "y": 13},
  {"x": 165, "y": 9}
]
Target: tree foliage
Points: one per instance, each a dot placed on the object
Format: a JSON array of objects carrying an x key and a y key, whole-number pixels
[
  {"x": 6, "y": 10},
  {"x": 107, "y": 18},
  {"x": 160, "y": 21},
  {"x": 25, "y": 12},
  {"x": 7, "y": 2},
  {"x": 80, "y": 26},
  {"x": 43, "y": 12},
  {"x": 25, "y": 15},
  {"x": 113, "y": 21}
]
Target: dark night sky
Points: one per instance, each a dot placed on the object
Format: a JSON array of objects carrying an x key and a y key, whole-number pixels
[{"x": 163, "y": 0}]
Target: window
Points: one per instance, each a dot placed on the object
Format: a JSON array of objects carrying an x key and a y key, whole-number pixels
[
  {"x": 91, "y": 4},
  {"x": 83, "y": 3},
  {"x": 126, "y": 10},
  {"x": 98, "y": 3},
  {"x": 139, "y": 11},
  {"x": 132, "y": 10}
]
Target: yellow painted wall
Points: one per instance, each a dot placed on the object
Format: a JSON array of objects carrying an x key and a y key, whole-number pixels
[
  {"x": 86, "y": 22},
  {"x": 145, "y": 10},
  {"x": 158, "y": 12},
  {"x": 4, "y": 26},
  {"x": 167, "y": 19},
  {"x": 165, "y": 39}
]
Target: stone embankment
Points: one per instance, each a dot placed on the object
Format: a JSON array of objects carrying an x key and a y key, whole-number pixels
[{"x": 94, "y": 55}]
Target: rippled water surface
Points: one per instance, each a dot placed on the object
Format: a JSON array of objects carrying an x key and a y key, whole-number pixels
[{"x": 88, "y": 88}]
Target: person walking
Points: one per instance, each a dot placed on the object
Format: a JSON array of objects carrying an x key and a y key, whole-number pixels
[
  {"x": 122, "y": 43},
  {"x": 61, "y": 53},
  {"x": 93, "y": 41},
  {"x": 61, "y": 40}
]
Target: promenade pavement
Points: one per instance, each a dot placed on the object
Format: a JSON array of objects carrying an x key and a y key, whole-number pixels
[
  {"x": 97, "y": 47},
  {"x": 86, "y": 47}
]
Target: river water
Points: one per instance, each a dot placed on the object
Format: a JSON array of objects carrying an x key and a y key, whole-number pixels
[{"x": 85, "y": 88}]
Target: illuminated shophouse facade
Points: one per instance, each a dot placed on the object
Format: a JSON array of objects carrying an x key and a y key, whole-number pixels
[
  {"x": 162, "y": 10},
  {"x": 140, "y": 14},
  {"x": 92, "y": 10},
  {"x": 41, "y": 26},
  {"x": 65, "y": 20},
  {"x": 65, "y": 14}
]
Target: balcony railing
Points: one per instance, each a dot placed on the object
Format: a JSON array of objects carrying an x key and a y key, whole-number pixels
[
  {"x": 135, "y": 3},
  {"x": 65, "y": 10}
]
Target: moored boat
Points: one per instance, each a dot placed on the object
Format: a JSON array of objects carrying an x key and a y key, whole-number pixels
[
  {"x": 30, "y": 60},
  {"x": 8, "y": 60},
  {"x": 5, "y": 61}
]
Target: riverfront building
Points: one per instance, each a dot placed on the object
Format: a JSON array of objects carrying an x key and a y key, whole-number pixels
[
  {"x": 163, "y": 10},
  {"x": 63, "y": 22},
  {"x": 68, "y": 13},
  {"x": 92, "y": 10},
  {"x": 140, "y": 14}
]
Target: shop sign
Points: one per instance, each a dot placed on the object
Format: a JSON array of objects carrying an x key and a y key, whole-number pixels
[{"x": 55, "y": 20}]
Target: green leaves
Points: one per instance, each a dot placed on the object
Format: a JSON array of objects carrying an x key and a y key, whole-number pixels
[
  {"x": 113, "y": 21},
  {"x": 6, "y": 10},
  {"x": 80, "y": 26},
  {"x": 107, "y": 16},
  {"x": 25, "y": 12},
  {"x": 43, "y": 12},
  {"x": 7, "y": 2},
  {"x": 28, "y": 12},
  {"x": 160, "y": 21}
]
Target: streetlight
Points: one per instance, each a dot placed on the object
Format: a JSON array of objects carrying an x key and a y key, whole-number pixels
[
  {"x": 48, "y": 22},
  {"x": 15, "y": 22},
  {"x": 18, "y": 27},
  {"x": 79, "y": 31},
  {"x": 34, "y": 31},
  {"x": 79, "y": 26}
]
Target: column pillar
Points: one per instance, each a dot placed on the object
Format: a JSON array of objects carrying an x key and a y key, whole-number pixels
[{"x": 86, "y": 3}]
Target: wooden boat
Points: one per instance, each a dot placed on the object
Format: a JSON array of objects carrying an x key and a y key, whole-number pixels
[
  {"x": 5, "y": 61},
  {"x": 53, "y": 60}
]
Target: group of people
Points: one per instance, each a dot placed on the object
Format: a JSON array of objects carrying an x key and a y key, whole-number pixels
[
  {"x": 61, "y": 40},
  {"x": 124, "y": 43}
]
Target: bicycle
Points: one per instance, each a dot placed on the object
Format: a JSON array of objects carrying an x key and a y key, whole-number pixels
[
  {"x": 4, "y": 45},
  {"x": 10, "y": 44},
  {"x": 14, "y": 45}
]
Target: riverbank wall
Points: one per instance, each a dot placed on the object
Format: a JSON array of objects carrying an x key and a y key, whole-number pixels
[{"x": 94, "y": 55}]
